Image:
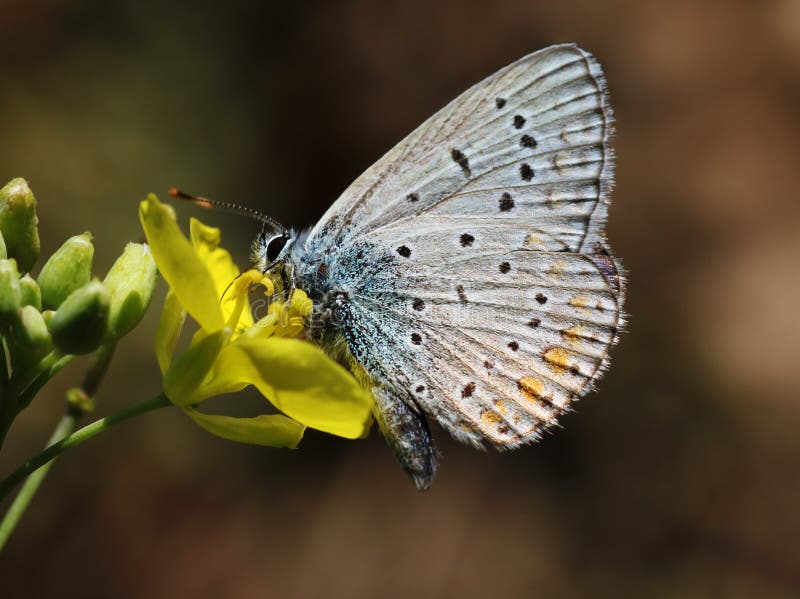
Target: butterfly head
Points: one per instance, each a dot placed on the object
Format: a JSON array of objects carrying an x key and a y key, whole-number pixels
[{"x": 271, "y": 248}]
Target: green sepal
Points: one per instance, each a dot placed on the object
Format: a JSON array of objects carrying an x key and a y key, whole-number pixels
[
  {"x": 68, "y": 269},
  {"x": 190, "y": 368},
  {"x": 18, "y": 223},
  {"x": 81, "y": 323},
  {"x": 173, "y": 317}
]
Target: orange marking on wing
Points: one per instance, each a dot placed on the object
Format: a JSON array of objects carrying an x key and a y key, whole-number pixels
[
  {"x": 531, "y": 388},
  {"x": 533, "y": 241},
  {"x": 574, "y": 334},
  {"x": 557, "y": 268},
  {"x": 579, "y": 301},
  {"x": 491, "y": 418},
  {"x": 557, "y": 358},
  {"x": 466, "y": 426}
]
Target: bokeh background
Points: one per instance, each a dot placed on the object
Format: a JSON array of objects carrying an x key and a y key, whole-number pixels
[{"x": 678, "y": 478}]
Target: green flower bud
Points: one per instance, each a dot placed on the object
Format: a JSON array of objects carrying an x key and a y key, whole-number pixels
[
  {"x": 131, "y": 282},
  {"x": 81, "y": 323},
  {"x": 18, "y": 222},
  {"x": 31, "y": 335},
  {"x": 31, "y": 294},
  {"x": 69, "y": 268},
  {"x": 10, "y": 294}
]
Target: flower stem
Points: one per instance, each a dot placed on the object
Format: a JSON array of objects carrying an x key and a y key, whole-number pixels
[
  {"x": 50, "y": 367},
  {"x": 98, "y": 365},
  {"x": 65, "y": 426},
  {"x": 76, "y": 438}
]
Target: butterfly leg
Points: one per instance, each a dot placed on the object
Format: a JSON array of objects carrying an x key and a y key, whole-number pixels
[
  {"x": 289, "y": 281},
  {"x": 406, "y": 430}
]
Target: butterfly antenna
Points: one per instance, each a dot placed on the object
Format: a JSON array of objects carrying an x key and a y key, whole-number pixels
[{"x": 227, "y": 207}]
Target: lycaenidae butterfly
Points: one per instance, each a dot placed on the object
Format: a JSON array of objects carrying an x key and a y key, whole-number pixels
[{"x": 465, "y": 277}]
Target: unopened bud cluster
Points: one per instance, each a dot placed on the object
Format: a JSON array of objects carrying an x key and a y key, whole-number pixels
[{"x": 64, "y": 308}]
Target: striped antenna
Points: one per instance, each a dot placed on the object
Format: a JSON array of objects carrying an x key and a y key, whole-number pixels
[{"x": 227, "y": 207}]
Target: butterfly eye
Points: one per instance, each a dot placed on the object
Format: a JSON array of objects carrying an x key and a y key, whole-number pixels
[{"x": 275, "y": 246}]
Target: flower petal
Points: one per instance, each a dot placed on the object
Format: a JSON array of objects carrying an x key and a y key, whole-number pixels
[
  {"x": 273, "y": 430},
  {"x": 179, "y": 264},
  {"x": 169, "y": 330},
  {"x": 299, "y": 379},
  {"x": 223, "y": 271},
  {"x": 190, "y": 368}
]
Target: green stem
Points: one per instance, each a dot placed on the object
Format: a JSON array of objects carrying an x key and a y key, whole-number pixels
[
  {"x": 50, "y": 367},
  {"x": 8, "y": 402},
  {"x": 76, "y": 438},
  {"x": 65, "y": 426},
  {"x": 98, "y": 366},
  {"x": 40, "y": 373},
  {"x": 15, "y": 399},
  {"x": 3, "y": 363}
]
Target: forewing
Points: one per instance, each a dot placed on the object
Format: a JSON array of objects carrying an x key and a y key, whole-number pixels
[{"x": 529, "y": 143}]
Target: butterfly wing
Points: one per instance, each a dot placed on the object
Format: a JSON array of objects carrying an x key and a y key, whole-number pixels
[
  {"x": 529, "y": 143},
  {"x": 480, "y": 286},
  {"x": 495, "y": 337}
]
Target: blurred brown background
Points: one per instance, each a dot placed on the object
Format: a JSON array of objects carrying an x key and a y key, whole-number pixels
[{"x": 679, "y": 478}]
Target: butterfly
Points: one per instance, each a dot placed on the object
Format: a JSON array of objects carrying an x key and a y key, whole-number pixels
[{"x": 465, "y": 277}]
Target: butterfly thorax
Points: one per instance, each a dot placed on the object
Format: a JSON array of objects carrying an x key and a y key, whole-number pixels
[{"x": 335, "y": 282}]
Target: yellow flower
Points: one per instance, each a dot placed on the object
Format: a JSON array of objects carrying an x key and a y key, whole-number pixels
[{"x": 230, "y": 351}]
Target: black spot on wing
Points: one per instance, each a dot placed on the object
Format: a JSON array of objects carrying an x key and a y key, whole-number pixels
[
  {"x": 526, "y": 171},
  {"x": 466, "y": 240},
  {"x": 499, "y": 102},
  {"x": 468, "y": 390},
  {"x": 460, "y": 159},
  {"x": 412, "y": 197},
  {"x": 416, "y": 338},
  {"x": 404, "y": 251},
  {"x": 505, "y": 267},
  {"x": 506, "y": 202},
  {"x": 526, "y": 141},
  {"x": 519, "y": 121},
  {"x": 541, "y": 298}
]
